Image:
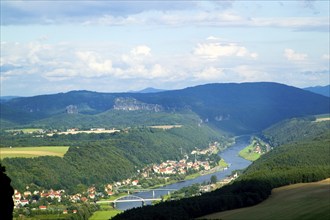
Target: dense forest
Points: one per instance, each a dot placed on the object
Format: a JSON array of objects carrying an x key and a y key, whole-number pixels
[
  {"x": 101, "y": 158},
  {"x": 303, "y": 161}
]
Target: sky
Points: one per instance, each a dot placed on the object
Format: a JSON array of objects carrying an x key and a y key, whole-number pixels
[{"x": 54, "y": 46}]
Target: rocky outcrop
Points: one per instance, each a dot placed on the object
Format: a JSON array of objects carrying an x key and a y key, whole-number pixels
[
  {"x": 72, "y": 109},
  {"x": 131, "y": 104}
]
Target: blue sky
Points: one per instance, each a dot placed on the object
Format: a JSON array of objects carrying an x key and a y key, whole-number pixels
[{"x": 117, "y": 46}]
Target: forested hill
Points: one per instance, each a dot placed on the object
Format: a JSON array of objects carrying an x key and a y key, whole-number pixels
[
  {"x": 296, "y": 129},
  {"x": 237, "y": 108},
  {"x": 99, "y": 159}
]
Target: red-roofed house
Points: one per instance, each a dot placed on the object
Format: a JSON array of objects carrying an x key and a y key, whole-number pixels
[
  {"x": 135, "y": 182},
  {"x": 24, "y": 202},
  {"x": 42, "y": 207}
]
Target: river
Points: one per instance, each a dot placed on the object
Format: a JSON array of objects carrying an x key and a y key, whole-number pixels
[{"x": 230, "y": 155}]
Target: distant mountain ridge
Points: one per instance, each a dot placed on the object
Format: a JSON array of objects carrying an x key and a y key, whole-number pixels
[
  {"x": 234, "y": 107},
  {"x": 148, "y": 90},
  {"x": 7, "y": 98},
  {"x": 322, "y": 90}
]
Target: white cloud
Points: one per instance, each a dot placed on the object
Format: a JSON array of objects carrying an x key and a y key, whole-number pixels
[
  {"x": 214, "y": 18},
  {"x": 326, "y": 56},
  {"x": 213, "y": 51},
  {"x": 291, "y": 55},
  {"x": 95, "y": 63},
  {"x": 141, "y": 50}
]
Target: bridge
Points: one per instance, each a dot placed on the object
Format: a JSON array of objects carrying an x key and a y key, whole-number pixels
[
  {"x": 128, "y": 198},
  {"x": 133, "y": 198},
  {"x": 146, "y": 190}
]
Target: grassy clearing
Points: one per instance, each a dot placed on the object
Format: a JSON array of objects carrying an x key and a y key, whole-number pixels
[
  {"x": 104, "y": 215},
  {"x": 58, "y": 151},
  {"x": 297, "y": 201},
  {"x": 249, "y": 154}
]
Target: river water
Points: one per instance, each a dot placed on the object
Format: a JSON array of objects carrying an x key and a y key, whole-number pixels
[{"x": 230, "y": 155}]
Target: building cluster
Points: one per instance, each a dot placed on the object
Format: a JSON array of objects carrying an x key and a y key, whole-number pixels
[
  {"x": 179, "y": 167},
  {"x": 212, "y": 149},
  {"x": 28, "y": 197},
  {"x": 22, "y": 199}
]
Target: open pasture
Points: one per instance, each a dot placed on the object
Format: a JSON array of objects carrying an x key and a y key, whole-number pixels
[{"x": 58, "y": 151}]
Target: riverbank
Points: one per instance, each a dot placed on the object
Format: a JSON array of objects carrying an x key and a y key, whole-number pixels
[{"x": 229, "y": 155}]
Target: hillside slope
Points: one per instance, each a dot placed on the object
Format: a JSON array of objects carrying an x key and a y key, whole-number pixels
[
  {"x": 297, "y": 201},
  {"x": 296, "y": 129},
  {"x": 237, "y": 108}
]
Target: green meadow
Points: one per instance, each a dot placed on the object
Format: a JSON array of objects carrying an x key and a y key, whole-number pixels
[
  {"x": 104, "y": 215},
  {"x": 249, "y": 154}
]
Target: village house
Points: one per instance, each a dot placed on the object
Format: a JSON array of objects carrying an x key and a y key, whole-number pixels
[
  {"x": 91, "y": 196},
  {"x": 24, "y": 202},
  {"x": 27, "y": 193},
  {"x": 17, "y": 195},
  {"x": 84, "y": 199},
  {"x": 42, "y": 207},
  {"x": 109, "y": 193},
  {"x": 135, "y": 182}
]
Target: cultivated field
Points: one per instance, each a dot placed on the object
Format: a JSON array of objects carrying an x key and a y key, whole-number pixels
[
  {"x": 26, "y": 130},
  {"x": 297, "y": 201},
  {"x": 322, "y": 119},
  {"x": 58, "y": 151}
]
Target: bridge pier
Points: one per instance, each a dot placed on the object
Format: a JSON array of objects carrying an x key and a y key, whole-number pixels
[
  {"x": 114, "y": 205},
  {"x": 153, "y": 193}
]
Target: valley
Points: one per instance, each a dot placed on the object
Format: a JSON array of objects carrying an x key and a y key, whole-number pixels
[{"x": 86, "y": 146}]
